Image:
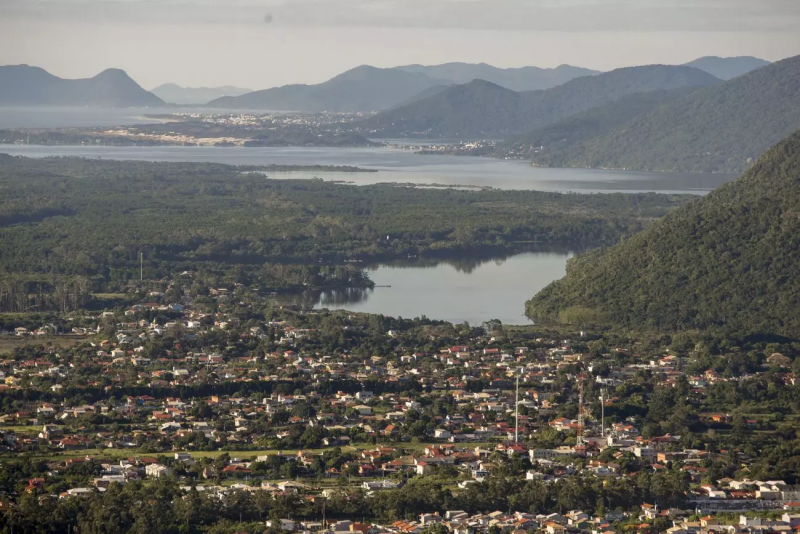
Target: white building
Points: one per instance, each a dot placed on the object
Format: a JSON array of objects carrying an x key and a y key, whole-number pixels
[{"x": 157, "y": 470}]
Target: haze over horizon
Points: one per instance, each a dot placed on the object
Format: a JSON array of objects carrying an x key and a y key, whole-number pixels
[{"x": 268, "y": 43}]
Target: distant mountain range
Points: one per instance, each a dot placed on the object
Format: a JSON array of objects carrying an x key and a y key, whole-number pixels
[
  {"x": 175, "y": 94},
  {"x": 726, "y": 261},
  {"x": 713, "y": 129},
  {"x": 727, "y": 68},
  {"x": 361, "y": 89},
  {"x": 368, "y": 88},
  {"x": 22, "y": 85},
  {"x": 516, "y": 79},
  {"x": 481, "y": 109},
  {"x": 374, "y": 89}
]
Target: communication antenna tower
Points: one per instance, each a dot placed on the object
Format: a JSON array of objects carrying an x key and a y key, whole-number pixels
[
  {"x": 603, "y": 413},
  {"x": 580, "y": 411},
  {"x": 516, "y": 409}
]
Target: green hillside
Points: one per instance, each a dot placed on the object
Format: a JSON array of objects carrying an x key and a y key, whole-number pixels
[
  {"x": 566, "y": 135},
  {"x": 721, "y": 128},
  {"x": 728, "y": 260},
  {"x": 484, "y": 110}
]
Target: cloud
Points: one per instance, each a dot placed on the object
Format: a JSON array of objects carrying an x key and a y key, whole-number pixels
[{"x": 521, "y": 15}]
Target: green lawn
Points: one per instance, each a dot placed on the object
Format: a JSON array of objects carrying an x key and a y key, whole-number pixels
[
  {"x": 21, "y": 429},
  {"x": 8, "y": 344},
  {"x": 111, "y": 454}
]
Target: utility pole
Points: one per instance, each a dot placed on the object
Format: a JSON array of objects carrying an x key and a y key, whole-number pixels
[
  {"x": 602, "y": 413},
  {"x": 579, "y": 441},
  {"x": 141, "y": 266},
  {"x": 516, "y": 410}
]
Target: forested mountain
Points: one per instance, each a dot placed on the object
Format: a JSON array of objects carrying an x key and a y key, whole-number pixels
[
  {"x": 727, "y": 68},
  {"x": 519, "y": 79},
  {"x": 427, "y": 93},
  {"x": 361, "y": 89},
  {"x": 22, "y": 85},
  {"x": 714, "y": 129},
  {"x": 482, "y": 109},
  {"x": 727, "y": 260},
  {"x": 475, "y": 109},
  {"x": 175, "y": 94},
  {"x": 566, "y": 134}
]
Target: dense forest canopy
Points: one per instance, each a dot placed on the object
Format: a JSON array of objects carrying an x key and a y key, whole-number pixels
[
  {"x": 728, "y": 260},
  {"x": 548, "y": 144},
  {"x": 92, "y": 218}
]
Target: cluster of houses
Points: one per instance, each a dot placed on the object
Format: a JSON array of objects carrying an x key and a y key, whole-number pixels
[
  {"x": 460, "y": 522},
  {"x": 786, "y": 523},
  {"x": 769, "y": 490},
  {"x": 500, "y": 397}
]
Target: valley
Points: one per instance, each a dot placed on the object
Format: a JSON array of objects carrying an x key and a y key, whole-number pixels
[{"x": 452, "y": 298}]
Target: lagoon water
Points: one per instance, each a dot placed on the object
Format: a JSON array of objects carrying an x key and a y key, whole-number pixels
[
  {"x": 454, "y": 290},
  {"x": 402, "y": 166}
]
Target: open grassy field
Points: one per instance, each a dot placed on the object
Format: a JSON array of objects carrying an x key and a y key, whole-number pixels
[
  {"x": 115, "y": 454},
  {"x": 21, "y": 429},
  {"x": 9, "y": 343},
  {"x": 110, "y": 296},
  {"x": 112, "y": 454}
]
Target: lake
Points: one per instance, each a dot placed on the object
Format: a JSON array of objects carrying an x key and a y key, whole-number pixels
[
  {"x": 471, "y": 290},
  {"x": 403, "y": 166}
]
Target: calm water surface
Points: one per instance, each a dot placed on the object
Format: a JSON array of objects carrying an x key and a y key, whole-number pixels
[
  {"x": 455, "y": 290},
  {"x": 402, "y": 166}
]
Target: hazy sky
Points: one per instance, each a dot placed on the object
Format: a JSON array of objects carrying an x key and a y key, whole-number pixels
[{"x": 264, "y": 43}]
